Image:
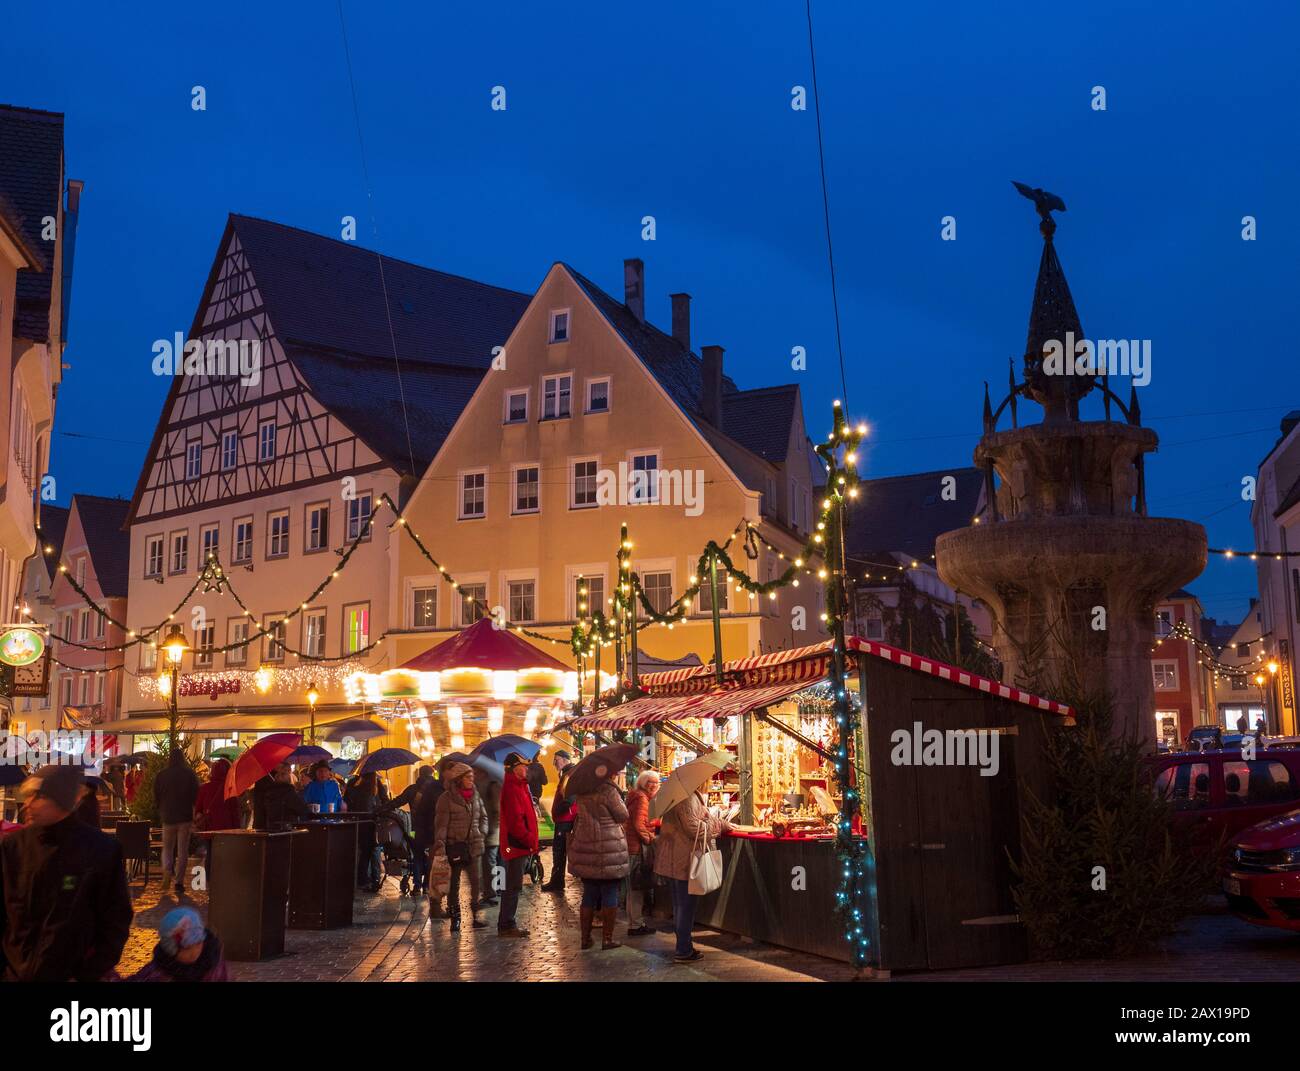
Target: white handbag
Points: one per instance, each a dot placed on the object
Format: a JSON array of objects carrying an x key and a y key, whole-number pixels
[{"x": 706, "y": 864}]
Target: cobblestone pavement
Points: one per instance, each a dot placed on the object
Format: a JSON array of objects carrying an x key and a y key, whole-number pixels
[{"x": 393, "y": 939}]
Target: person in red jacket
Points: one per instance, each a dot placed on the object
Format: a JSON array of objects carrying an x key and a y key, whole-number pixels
[
  {"x": 212, "y": 811},
  {"x": 519, "y": 840}
]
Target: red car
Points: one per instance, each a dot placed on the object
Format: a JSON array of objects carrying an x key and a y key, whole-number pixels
[
  {"x": 1217, "y": 795},
  {"x": 1263, "y": 879}
]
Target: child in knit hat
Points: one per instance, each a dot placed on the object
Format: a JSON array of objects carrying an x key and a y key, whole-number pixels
[{"x": 187, "y": 951}]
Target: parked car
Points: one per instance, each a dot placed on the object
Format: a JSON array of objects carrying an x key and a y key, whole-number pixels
[
  {"x": 1262, "y": 883},
  {"x": 1217, "y": 795}
]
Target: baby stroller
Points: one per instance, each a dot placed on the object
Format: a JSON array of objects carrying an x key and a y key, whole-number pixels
[{"x": 396, "y": 842}]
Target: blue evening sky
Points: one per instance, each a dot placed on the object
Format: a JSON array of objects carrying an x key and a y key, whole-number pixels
[{"x": 681, "y": 110}]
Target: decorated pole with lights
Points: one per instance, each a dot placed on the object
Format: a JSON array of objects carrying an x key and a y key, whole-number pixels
[
  {"x": 841, "y": 484},
  {"x": 717, "y": 618}
]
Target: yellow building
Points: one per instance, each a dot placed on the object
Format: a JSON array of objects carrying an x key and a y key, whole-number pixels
[{"x": 591, "y": 418}]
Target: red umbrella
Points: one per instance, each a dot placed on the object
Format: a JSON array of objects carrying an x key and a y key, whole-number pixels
[{"x": 259, "y": 760}]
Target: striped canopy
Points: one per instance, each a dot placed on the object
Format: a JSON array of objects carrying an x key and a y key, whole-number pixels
[{"x": 753, "y": 683}]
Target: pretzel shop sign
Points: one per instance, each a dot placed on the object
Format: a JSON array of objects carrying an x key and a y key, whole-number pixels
[{"x": 209, "y": 686}]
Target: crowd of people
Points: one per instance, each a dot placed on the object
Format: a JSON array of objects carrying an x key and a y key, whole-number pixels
[{"x": 65, "y": 907}]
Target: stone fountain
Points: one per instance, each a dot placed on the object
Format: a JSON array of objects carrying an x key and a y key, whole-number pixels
[{"x": 1066, "y": 557}]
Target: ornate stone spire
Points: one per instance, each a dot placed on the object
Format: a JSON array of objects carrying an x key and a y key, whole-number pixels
[{"x": 1052, "y": 318}]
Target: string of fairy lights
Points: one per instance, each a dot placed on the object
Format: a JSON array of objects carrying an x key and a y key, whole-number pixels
[{"x": 1209, "y": 658}]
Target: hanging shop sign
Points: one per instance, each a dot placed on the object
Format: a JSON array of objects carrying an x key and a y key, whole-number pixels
[
  {"x": 1288, "y": 698},
  {"x": 25, "y": 662},
  {"x": 20, "y": 645}
]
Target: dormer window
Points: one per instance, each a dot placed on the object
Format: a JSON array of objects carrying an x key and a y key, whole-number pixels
[{"x": 560, "y": 325}]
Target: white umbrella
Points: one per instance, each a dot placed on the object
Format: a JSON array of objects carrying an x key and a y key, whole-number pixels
[{"x": 687, "y": 779}]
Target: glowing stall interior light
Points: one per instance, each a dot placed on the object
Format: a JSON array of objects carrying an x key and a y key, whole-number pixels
[
  {"x": 496, "y": 718},
  {"x": 570, "y": 693},
  {"x": 430, "y": 687},
  {"x": 456, "y": 721},
  {"x": 530, "y": 721},
  {"x": 458, "y": 742}
]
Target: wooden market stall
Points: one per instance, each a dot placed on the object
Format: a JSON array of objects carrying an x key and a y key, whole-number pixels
[{"x": 944, "y": 760}]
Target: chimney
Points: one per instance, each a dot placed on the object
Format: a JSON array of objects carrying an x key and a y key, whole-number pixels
[
  {"x": 682, "y": 319},
  {"x": 711, "y": 387},
  {"x": 634, "y": 287}
]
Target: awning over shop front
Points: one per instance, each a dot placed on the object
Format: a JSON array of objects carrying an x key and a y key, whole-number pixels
[
  {"x": 724, "y": 703},
  {"x": 224, "y": 723}
]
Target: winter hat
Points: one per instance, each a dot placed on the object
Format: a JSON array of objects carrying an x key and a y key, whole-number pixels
[
  {"x": 515, "y": 759},
  {"x": 562, "y": 755},
  {"x": 180, "y": 928},
  {"x": 60, "y": 784},
  {"x": 455, "y": 772}
]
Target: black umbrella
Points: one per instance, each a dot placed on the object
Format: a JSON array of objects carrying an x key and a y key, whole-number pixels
[{"x": 598, "y": 767}]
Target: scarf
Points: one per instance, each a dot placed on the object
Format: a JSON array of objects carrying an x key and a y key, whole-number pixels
[{"x": 467, "y": 794}]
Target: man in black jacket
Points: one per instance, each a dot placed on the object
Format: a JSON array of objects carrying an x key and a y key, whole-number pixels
[
  {"x": 276, "y": 804},
  {"x": 176, "y": 788},
  {"x": 65, "y": 911},
  {"x": 422, "y": 816}
]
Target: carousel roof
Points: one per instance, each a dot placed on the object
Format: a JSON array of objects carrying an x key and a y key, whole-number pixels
[{"x": 483, "y": 647}]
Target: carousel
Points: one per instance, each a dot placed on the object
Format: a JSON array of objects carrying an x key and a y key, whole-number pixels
[{"x": 481, "y": 683}]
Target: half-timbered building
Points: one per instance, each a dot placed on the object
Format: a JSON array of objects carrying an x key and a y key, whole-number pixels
[{"x": 316, "y": 378}]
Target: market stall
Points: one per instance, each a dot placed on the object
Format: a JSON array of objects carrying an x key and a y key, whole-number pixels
[{"x": 941, "y": 828}]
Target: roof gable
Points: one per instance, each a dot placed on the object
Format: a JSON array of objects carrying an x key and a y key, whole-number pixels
[
  {"x": 102, "y": 522},
  {"x": 53, "y": 527}
]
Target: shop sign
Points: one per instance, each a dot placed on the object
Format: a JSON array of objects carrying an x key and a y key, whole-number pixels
[
  {"x": 209, "y": 686},
  {"x": 1287, "y": 698},
  {"x": 20, "y": 646}
]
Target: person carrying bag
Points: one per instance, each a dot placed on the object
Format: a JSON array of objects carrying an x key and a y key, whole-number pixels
[{"x": 685, "y": 858}]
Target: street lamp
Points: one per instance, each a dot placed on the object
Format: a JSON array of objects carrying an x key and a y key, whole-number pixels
[
  {"x": 175, "y": 647},
  {"x": 312, "y": 697}
]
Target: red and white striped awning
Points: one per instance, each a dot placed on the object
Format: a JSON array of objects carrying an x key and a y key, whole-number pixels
[
  {"x": 804, "y": 665},
  {"x": 715, "y": 704}
]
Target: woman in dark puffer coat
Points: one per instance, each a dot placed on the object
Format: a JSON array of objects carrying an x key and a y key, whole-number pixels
[{"x": 598, "y": 855}]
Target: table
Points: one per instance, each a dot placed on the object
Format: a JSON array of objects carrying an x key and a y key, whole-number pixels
[
  {"x": 322, "y": 873},
  {"x": 248, "y": 891}
]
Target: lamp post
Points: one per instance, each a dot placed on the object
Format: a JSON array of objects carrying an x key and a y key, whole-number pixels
[
  {"x": 312, "y": 697},
  {"x": 174, "y": 646}
]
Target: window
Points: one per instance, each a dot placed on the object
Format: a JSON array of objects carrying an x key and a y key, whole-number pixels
[
  {"x": 473, "y": 603},
  {"x": 557, "y": 394},
  {"x": 560, "y": 325},
  {"x": 1165, "y": 676},
  {"x": 66, "y": 633},
  {"x": 1164, "y": 622},
  {"x": 148, "y": 658},
  {"x": 318, "y": 527},
  {"x": 704, "y": 602},
  {"x": 1252, "y": 783},
  {"x": 356, "y": 627},
  {"x": 180, "y": 552},
  {"x": 243, "y": 540},
  {"x": 796, "y": 507},
  {"x": 521, "y": 600},
  {"x": 204, "y": 640},
  {"x": 598, "y": 395},
  {"x": 473, "y": 495},
  {"x": 527, "y": 489},
  {"x": 875, "y": 627},
  {"x": 424, "y": 607},
  {"x": 81, "y": 572},
  {"x": 313, "y": 633},
  {"x": 645, "y": 479},
  {"x": 193, "y": 460},
  {"x": 277, "y": 531},
  {"x": 229, "y": 449},
  {"x": 1186, "y": 785},
  {"x": 516, "y": 406},
  {"x": 83, "y": 625},
  {"x": 274, "y": 638},
  {"x": 1243, "y": 650},
  {"x": 266, "y": 440},
  {"x": 277, "y": 534},
  {"x": 153, "y": 556},
  {"x": 99, "y": 626},
  {"x": 584, "y": 484},
  {"x": 658, "y": 588},
  {"x": 359, "y": 511},
  {"x": 99, "y": 688},
  {"x": 237, "y": 632},
  {"x": 208, "y": 541},
  {"x": 593, "y": 602}
]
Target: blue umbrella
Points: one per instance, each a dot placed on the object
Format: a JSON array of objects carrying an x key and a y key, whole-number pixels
[
  {"x": 357, "y": 728},
  {"x": 498, "y": 748},
  {"x": 308, "y": 753},
  {"x": 490, "y": 767},
  {"x": 342, "y": 767},
  {"x": 386, "y": 758}
]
